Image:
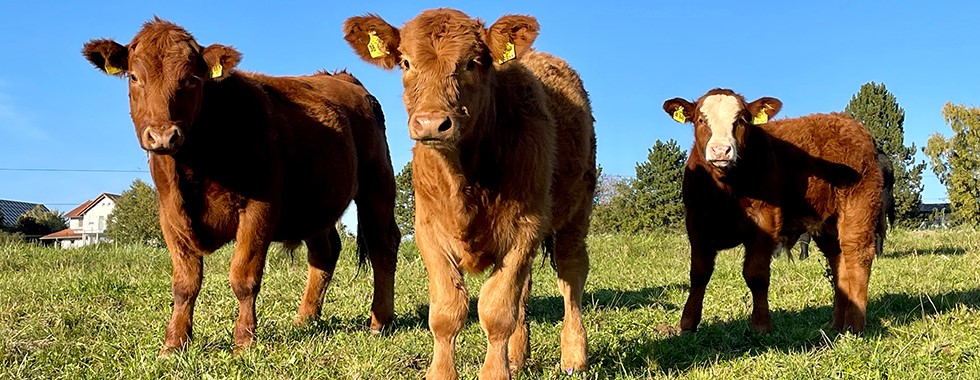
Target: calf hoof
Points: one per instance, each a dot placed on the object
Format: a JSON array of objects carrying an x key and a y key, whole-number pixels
[
  {"x": 377, "y": 328},
  {"x": 303, "y": 320},
  {"x": 576, "y": 363},
  {"x": 435, "y": 374},
  {"x": 762, "y": 328},
  {"x": 380, "y": 323},
  {"x": 166, "y": 351}
]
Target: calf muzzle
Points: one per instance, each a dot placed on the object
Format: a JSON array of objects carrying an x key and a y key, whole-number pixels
[
  {"x": 430, "y": 126},
  {"x": 164, "y": 140}
]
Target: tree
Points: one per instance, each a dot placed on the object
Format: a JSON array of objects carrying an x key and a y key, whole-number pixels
[
  {"x": 956, "y": 161},
  {"x": 136, "y": 217},
  {"x": 878, "y": 110},
  {"x": 39, "y": 221},
  {"x": 648, "y": 202},
  {"x": 405, "y": 201},
  {"x": 607, "y": 216}
]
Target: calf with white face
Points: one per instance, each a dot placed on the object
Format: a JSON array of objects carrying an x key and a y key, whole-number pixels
[
  {"x": 758, "y": 183},
  {"x": 719, "y": 120}
]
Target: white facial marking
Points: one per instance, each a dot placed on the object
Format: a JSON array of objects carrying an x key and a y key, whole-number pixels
[{"x": 721, "y": 111}]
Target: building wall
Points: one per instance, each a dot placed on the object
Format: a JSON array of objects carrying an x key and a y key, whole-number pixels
[{"x": 95, "y": 220}]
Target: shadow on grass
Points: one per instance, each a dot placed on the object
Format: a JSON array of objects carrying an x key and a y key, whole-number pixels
[
  {"x": 551, "y": 309},
  {"x": 794, "y": 331},
  {"x": 941, "y": 251}
]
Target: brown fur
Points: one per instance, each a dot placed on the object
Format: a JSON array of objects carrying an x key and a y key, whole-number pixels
[
  {"x": 816, "y": 174},
  {"x": 514, "y": 164},
  {"x": 255, "y": 159}
]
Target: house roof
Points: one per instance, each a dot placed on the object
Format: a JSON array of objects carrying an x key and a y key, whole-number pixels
[
  {"x": 14, "y": 209},
  {"x": 928, "y": 208},
  {"x": 79, "y": 211},
  {"x": 66, "y": 233}
]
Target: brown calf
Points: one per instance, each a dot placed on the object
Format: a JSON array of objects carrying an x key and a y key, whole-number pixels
[
  {"x": 255, "y": 159},
  {"x": 760, "y": 184},
  {"x": 504, "y": 159}
]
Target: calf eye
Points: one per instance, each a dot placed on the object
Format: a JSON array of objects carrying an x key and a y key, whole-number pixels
[
  {"x": 472, "y": 64},
  {"x": 132, "y": 78},
  {"x": 405, "y": 65}
]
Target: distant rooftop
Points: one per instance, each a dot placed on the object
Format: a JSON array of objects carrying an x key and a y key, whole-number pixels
[{"x": 12, "y": 210}]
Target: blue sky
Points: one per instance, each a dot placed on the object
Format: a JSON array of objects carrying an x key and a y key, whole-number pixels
[{"x": 58, "y": 112}]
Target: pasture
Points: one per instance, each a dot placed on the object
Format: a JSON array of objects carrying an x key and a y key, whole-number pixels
[{"x": 100, "y": 312}]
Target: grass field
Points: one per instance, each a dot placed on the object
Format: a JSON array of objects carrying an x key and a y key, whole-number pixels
[{"x": 100, "y": 312}]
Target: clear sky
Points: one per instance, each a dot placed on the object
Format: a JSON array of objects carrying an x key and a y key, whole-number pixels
[{"x": 58, "y": 112}]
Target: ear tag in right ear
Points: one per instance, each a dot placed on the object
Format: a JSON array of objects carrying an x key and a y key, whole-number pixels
[
  {"x": 110, "y": 69},
  {"x": 509, "y": 53},
  {"x": 679, "y": 114},
  {"x": 216, "y": 70},
  {"x": 375, "y": 46},
  {"x": 760, "y": 118}
]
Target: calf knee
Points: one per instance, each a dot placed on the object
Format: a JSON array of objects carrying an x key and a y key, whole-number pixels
[{"x": 244, "y": 285}]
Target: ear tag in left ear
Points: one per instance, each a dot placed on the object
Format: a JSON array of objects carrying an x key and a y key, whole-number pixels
[
  {"x": 110, "y": 69},
  {"x": 375, "y": 46},
  {"x": 679, "y": 115},
  {"x": 760, "y": 118},
  {"x": 216, "y": 70},
  {"x": 509, "y": 53}
]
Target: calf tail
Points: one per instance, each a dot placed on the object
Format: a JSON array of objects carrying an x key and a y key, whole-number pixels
[
  {"x": 362, "y": 248},
  {"x": 548, "y": 250},
  {"x": 881, "y": 228},
  {"x": 379, "y": 115},
  {"x": 290, "y": 247}
]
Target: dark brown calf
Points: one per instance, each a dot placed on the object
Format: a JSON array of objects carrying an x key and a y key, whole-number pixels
[
  {"x": 255, "y": 159},
  {"x": 757, "y": 183},
  {"x": 504, "y": 158}
]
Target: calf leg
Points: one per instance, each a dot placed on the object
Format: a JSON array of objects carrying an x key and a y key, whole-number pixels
[
  {"x": 572, "y": 262},
  {"x": 519, "y": 345},
  {"x": 755, "y": 271},
  {"x": 448, "y": 306},
  {"x": 378, "y": 234},
  {"x": 832, "y": 250},
  {"x": 323, "y": 250},
  {"x": 702, "y": 266},
  {"x": 499, "y": 308},
  {"x": 188, "y": 273},
  {"x": 857, "y": 242},
  {"x": 247, "y": 265}
]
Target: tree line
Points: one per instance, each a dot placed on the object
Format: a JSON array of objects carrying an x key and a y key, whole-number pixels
[{"x": 651, "y": 200}]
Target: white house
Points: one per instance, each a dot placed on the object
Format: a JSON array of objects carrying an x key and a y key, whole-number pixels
[{"x": 86, "y": 223}]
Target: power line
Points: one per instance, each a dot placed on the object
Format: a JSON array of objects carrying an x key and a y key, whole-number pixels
[{"x": 73, "y": 170}]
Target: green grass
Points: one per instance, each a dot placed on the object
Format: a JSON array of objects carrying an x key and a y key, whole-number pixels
[{"x": 100, "y": 312}]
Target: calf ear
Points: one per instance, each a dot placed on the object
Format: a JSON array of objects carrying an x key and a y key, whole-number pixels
[
  {"x": 764, "y": 109},
  {"x": 221, "y": 60},
  {"x": 511, "y": 37},
  {"x": 681, "y": 110},
  {"x": 108, "y": 56},
  {"x": 374, "y": 40}
]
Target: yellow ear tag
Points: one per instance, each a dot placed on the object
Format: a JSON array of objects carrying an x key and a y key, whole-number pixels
[
  {"x": 679, "y": 115},
  {"x": 216, "y": 70},
  {"x": 375, "y": 46},
  {"x": 760, "y": 118},
  {"x": 509, "y": 53},
  {"x": 110, "y": 69}
]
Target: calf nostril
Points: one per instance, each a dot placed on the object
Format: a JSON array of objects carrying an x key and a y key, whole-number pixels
[
  {"x": 173, "y": 138},
  {"x": 446, "y": 124}
]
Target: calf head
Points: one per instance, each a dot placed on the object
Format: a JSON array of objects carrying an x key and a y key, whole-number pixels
[
  {"x": 167, "y": 71},
  {"x": 721, "y": 120},
  {"x": 448, "y": 61}
]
